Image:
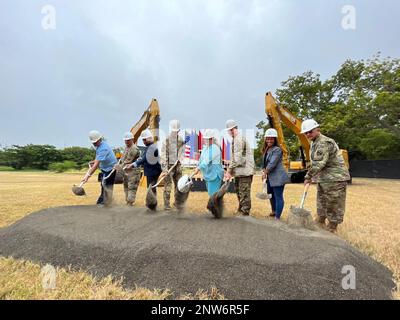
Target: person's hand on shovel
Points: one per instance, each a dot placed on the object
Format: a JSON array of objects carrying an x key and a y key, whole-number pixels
[
  {"x": 86, "y": 178},
  {"x": 130, "y": 166},
  {"x": 227, "y": 176},
  {"x": 264, "y": 175}
]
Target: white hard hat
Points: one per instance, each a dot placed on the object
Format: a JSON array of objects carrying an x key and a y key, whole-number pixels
[
  {"x": 184, "y": 183},
  {"x": 230, "y": 124},
  {"x": 146, "y": 134},
  {"x": 174, "y": 125},
  {"x": 95, "y": 136},
  {"x": 128, "y": 136},
  {"x": 208, "y": 134},
  {"x": 271, "y": 133},
  {"x": 308, "y": 125}
]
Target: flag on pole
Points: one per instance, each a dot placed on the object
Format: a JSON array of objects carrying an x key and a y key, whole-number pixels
[
  {"x": 200, "y": 141},
  {"x": 228, "y": 151},
  {"x": 223, "y": 147},
  {"x": 187, "y": 151},
  {"x": 193, "y": 139}
]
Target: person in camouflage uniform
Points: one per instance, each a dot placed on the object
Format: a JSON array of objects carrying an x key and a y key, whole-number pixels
[
  {"x": 332, "y": 175},
  {"x": 172, "y": 150},
  {"x": 131, "y": 176},
  {"x": 241, "y": 167}
]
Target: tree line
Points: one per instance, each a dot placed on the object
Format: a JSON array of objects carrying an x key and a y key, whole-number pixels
[
  {"x": 46, "y": 157},
  {"x": 359, "y": 107}
]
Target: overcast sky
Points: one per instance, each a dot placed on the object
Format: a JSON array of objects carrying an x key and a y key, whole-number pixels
[{"x": 204, "y": 60}]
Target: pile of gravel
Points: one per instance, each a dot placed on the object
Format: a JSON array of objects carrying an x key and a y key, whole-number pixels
[{"x": 245, "y": 258}]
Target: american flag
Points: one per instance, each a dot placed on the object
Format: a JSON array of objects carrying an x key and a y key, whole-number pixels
[{"x": 187, "y": 151}]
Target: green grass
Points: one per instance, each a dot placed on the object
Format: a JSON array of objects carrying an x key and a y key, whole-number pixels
[{"x": 5, "y": 168}]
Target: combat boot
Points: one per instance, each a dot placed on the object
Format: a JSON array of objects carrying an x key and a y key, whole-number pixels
[
  {"x": 332, "y": 227},
  {"x": 320, "y": 222}
]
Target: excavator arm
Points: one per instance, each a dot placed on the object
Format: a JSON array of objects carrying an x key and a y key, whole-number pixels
[
  {"x": 150, "y": 119},
  {"x": 278, "y": 114}
]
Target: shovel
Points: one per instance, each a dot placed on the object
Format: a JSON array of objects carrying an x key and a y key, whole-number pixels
[
  {"x": 78, "y": 190},
  {"x": 264, "y": 195},
  {"x": 151, "y": 198},
  {"x": 183, "y": 195},
  {"x": 215, "y": 203},
  {"x": 299, "y": 216}
]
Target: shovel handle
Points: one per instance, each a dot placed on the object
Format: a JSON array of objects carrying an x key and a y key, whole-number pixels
[
  {"x": 304, "y": 195},
  {"x": 169, "y": 171}
]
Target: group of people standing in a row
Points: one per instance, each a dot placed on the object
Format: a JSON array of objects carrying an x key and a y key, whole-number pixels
[{"x": 327, "y": 168}]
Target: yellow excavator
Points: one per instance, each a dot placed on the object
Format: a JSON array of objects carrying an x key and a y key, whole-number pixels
[
  {"x": 150, "y": 119},
  {"x": 276, "y": 115}
]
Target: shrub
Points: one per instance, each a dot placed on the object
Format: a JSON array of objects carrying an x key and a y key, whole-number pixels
[{"x": 63, "y": 166}]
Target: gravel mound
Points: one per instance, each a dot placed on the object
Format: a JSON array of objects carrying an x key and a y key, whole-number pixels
[{"x": 245, "y": 258}]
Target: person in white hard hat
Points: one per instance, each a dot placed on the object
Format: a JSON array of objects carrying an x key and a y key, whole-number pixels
[
  {"x": 172, "y": 150},
  {"x": 274, "y": 172},
  {"x": 105, "y": 160},
  {"x": 210, "y": 163},
  {"x": 329, "y": 169},
  {"x": 131, "y": 176},
  {"x": 241, "y": 167},
  {"x": 149, "y": 159}
]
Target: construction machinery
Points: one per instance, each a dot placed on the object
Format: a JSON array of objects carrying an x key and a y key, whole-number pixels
[
  {"x": 150, "y": 119},
  {"x": 276, "y": 115}
]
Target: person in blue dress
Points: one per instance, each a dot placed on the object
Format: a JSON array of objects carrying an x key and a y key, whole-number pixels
[{"x": 210, "y": 164}]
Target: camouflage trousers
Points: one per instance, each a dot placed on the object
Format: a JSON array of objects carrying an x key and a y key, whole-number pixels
[
  {"x": 174, "y": 176},
  {"x": 131, "y": 183},
  {"x": 331, "y": 200},
  {"x": 243, "y": 192}
]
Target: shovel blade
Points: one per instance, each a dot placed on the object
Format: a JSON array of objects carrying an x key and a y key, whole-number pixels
[
  {"x": 78, "y": 191},
  {"x": 151, "y": 199}
]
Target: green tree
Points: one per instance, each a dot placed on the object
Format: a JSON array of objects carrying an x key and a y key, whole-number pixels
[
  {"x": 81, "y": 156},
  {"x": 380, "y": 144},
  {"x": 31, "y": 156},
  {"x": 362, "y": 96},
  {"x": 63, "y": 166}
]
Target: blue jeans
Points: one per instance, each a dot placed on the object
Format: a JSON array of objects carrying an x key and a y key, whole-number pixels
[{"x": 277, "y": 201}]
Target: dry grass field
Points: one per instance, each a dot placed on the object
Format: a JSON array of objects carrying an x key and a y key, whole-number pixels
[{"x": 371, "y": 224}]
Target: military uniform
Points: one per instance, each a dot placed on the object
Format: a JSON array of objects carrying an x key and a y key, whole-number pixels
[
  {"x": 242, "y": 168},
  {"x": 329, "y": 169},
  {"x": 131, "y": 176},
  {"x": 172, "y": 150}
]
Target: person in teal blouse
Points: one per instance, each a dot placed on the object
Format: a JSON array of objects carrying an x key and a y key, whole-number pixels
[{"x": 210, "y": 163}]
